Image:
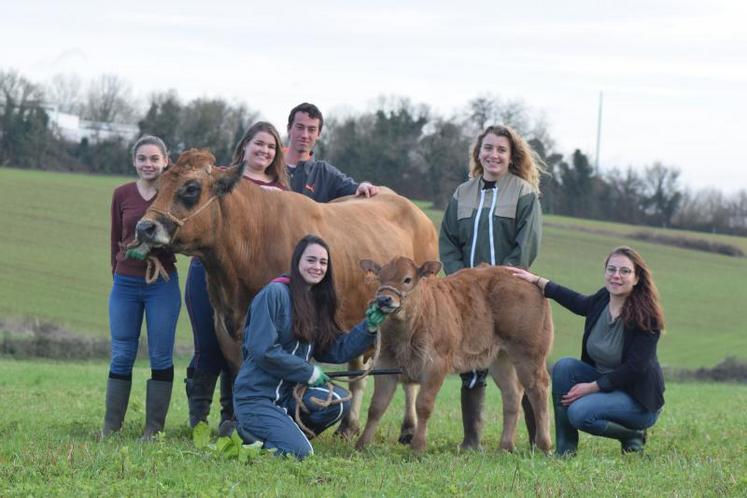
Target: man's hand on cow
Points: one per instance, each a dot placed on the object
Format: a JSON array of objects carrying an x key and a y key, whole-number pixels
[
  {"x": 366, "y": 189},
  {"x": 374, "y": 317},
  {"x": 579, "y": 390}
]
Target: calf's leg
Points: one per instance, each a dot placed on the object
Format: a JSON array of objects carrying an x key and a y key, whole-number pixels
[
  {"x": 533, "y": 375},
  {"x": 350, "y": 425},
  {"x": 410, "y": 422},
  {"x": 384, "y": 387},
  {"x": 504, "y": 375},
  {"x": 424, "y": 407}
]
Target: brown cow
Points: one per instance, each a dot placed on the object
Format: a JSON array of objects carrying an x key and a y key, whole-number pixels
[
  {"x": 245, "y": 237},
  {"x": 476, "y": 318}
]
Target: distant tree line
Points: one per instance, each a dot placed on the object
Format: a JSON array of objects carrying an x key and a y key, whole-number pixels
[{"x": 397, "y": 143}]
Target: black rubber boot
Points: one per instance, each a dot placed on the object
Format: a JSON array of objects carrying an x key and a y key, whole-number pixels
[
  {"x": 117, "y": 398},
  {"x": 157, "y": 399},
  {"x": 472, "y": 406},
  {"x": 200, "y": 386},
  {"x": 227, "y": 421},
  {"x": 631, "y": 440},
  {"x": 566, "y": 436}
]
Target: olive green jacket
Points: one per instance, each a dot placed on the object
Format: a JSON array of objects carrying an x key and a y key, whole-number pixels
[{"x": 516, "y": 225}]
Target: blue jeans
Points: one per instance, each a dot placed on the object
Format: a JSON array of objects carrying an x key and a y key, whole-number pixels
[
  {"x": 208, "y": 355},
  {"x": 131, "y": 299},
  {"x": 591, "y": 413},
  {"x": 274, "y": 425}
]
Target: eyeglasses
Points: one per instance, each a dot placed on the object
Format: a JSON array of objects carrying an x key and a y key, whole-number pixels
[{"x": 624, "y": 271}]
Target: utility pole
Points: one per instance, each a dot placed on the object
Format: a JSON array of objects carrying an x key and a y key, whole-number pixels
[{"x": 599, "y": 132}]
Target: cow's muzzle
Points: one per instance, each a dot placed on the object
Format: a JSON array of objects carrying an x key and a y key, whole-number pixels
[
  {"x": 386, "y": 303},
  {"x": 145, "y": 231}
]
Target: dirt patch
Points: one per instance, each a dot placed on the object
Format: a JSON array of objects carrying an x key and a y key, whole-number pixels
[
  {"x": 655, "y": 238},
  {"x": 34, "y": 338}
]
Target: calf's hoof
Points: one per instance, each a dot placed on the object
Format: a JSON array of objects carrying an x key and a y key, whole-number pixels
[
  {"x": 348, "y": 431},
  {"x": 406, "y": 432},
  {"x": 405, "y": 439}
]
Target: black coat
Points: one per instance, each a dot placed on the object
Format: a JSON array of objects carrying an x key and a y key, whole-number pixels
[{"x": 639, "y": 374}]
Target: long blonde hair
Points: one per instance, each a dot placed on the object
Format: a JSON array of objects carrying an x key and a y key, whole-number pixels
[{"x": 525, "y": 163}]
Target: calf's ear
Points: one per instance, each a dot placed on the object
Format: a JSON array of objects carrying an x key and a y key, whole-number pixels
[
  {"x": 228, "y": 179},
  {"x": 370, "y": 266},
  {"x": 429, "y": 268}
]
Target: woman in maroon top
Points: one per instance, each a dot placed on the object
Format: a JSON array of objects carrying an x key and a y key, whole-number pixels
[
  {"x": 261, "y": 153},
  {"x": 133, "y": 298}
]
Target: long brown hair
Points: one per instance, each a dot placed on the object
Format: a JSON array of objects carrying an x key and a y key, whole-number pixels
[
  {"x": 314, "y": 308},
  {"x": 642, "y": 308},
  {"x": 276, "y": 169},
  {"x": 525, "y": 163}
]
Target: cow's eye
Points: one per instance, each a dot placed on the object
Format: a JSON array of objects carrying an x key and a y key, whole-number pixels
[
  {"x": 189, "y": 193},
  {"x": 407, "y": 280}
]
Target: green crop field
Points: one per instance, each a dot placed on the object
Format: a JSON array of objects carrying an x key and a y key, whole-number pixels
[
  {"x": 54, "y": 250},
  {"x": 51, "y": 412}
]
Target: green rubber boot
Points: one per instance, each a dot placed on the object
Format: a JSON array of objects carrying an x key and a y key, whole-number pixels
[
  {"x": 157, "y": 399},
  {"x": 117, "y": 398},
  {"x": 566, "y": 436},
  {"x": 473, "y": 401},
  {"x": 631, "y": 440},
  {"x": 200, "y": 386}
]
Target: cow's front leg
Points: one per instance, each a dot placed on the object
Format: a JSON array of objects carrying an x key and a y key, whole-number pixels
[
  {"x": 230, "y": 346},
  {"x": 350, "y": 424},
  {"x": 424, "y": 407}
]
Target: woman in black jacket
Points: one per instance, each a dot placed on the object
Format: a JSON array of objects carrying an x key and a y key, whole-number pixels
[{"x": 616, "y": 389}]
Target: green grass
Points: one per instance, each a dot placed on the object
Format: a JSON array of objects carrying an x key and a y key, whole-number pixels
[
  {"x": 51, "y": 412},
  {"x": 55, "y": 265}
]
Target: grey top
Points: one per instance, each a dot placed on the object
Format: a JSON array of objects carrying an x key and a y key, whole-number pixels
[{"x": 605, "y": 344}]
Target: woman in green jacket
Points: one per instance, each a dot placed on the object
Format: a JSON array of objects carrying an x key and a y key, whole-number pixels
[{"x": 495, "y": 218}]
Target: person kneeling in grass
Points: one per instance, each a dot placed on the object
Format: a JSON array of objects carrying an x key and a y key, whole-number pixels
[
  {"x": 616, "y": 390},
  {"x": 292, "y": 320}
]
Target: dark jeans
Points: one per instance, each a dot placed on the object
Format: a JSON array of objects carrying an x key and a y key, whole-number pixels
[
  {"x": 273, "y": 424},
  {"x": 591, "y": 413},
  {"x": 207, "y": 355},
  {"x": 131, "y": 299}
]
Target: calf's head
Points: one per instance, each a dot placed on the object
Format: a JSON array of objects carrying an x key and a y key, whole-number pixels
[
  {"x": 398, "y": 279},
  {"x": 180, "y": 216}
]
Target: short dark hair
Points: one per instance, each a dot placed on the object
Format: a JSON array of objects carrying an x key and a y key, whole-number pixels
[
  {"x": 314, "y": 310},
  {"x": 310, "y": 109}
]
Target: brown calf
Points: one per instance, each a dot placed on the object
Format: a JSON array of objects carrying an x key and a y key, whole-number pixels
[{"x": 476, "y": 318}]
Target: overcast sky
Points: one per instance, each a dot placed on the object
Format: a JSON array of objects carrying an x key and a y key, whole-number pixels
[{"x": 673, "y": 73}]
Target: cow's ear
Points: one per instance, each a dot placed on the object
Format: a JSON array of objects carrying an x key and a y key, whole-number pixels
[
  {"x": 370, "y": 266},
  {"x": 228, "y": 179},
  {"x": 429, "y": 268}
]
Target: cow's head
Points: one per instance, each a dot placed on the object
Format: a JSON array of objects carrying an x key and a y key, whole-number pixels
[
  {"x": 182, "y": 214},
  {"x": 398, "y": 279}
]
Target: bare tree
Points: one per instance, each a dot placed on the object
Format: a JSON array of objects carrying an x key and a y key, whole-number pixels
[
  {"x": 109, "y": 100},
  {"x": 65, "y": 91}
]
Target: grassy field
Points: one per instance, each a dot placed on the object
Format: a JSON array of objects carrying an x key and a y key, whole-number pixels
[
  {"x": 51, "y": 412},
  {"x": 55, "y": 253}
]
